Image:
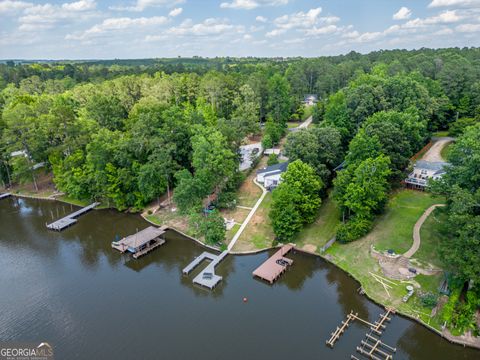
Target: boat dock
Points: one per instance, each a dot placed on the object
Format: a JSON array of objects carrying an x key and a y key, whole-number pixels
[
  {"x": 275, "y": 265},
  {"x": 71, "y": 219},
  {"x": 367, "y": 348},
  {"x": 5, "y": 195},
  {"x": 207, "y": 276},
  {"x": 142, "y": 242}
]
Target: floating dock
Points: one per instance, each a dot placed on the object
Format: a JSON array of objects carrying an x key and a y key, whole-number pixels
[
  {"x": 207, "y": 276},
  {"x": 142, "y": 242},
  {"x": 5, "y": 195},
  {"x": 71, "y": 219},
  {"x": 271, "y": 269}
]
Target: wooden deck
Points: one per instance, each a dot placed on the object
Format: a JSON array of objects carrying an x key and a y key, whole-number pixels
[
  {"x": 142, "y": 242},
  {"x": 271, "y": 269},
  {"x": 145, "y": 251},
  {"x": 68, "y": 220},
  {"x": 4, "y": 195}
]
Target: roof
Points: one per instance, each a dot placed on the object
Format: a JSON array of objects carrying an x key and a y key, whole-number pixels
[
  {"x": 142, "y": 237},
  {"x": 438, "y": 166},
  {"x": 281, "y": 167}
]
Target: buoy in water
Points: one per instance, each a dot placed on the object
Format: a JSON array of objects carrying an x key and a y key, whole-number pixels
[{"x": 245, "y": 299}]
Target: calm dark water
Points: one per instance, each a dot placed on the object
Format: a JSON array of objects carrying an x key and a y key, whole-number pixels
[{"x": 73, "y": 291}]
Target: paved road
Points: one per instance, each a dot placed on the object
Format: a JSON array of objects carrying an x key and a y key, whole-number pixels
[
  {"x": 434, "y": 153},
  {"x": 249, "y": 216},
  {"x": 416, "y": 231}
]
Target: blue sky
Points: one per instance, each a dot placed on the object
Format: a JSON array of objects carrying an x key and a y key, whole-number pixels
[{"x": 87, "y": 29}]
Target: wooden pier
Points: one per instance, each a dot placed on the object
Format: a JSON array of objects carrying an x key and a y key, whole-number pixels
[
  {"x": 375, "y": 349},
  {"x": 275, "y": 265},
  {"x": 4, "y": 195},
  {"x": 340, "y": 330},
  {"x": 207, "y": 277},
  {"x": 142, "y": 242},
  {"x": 376, "y": 327},
  {"x": 71, "y": 219}
]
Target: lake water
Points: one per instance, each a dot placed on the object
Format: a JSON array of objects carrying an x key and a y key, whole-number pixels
[{"x": 73, "y": 290}]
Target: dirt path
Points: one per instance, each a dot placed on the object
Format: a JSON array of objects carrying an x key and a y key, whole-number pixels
[
  {"x": 434, "y": 153},
  {"x": 416, "y": 231}
]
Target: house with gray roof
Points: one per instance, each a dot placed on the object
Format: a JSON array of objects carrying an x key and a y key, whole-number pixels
[
  {"x": 271, "y": 176},
  {"x": 424, "y": 171}
]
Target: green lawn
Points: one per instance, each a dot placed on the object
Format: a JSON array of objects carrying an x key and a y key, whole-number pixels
[
  {"x": 445, "y": 150},
  {"x": 393, "y": 230},
  {"x": 293, "y": 124},
  {"x": 442, "y": 133},
  {"x": 323, "y": 229},
  {"x": 431, "y": 233},
  {"x": 259, "y": 233}
]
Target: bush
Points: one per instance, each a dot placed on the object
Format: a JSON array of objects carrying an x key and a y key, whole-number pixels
[
  {"x": 353, "y": 229},
  {"x": 272, "y": 159},
  {"x": 149, "y": 212},
  {"x": 459, "y": 126},
  {"x": 429, "y": 300},
  {"x": 267, "y": 142}
]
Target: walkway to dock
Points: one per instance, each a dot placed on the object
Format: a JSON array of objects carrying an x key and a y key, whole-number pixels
[
  {"x": 68, "y": 220},
  {"x": 5, "y": 195},
  {"x": 271, "y": 269},
  {"x": 207, "y": 276}
]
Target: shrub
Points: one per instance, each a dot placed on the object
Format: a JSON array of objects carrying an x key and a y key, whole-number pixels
[
  {"x": 272, "y": 159},
  {"x": 353, "y": 229},
  {"x": 429, "y": 300}
]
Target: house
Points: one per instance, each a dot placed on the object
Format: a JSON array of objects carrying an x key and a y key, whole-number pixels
[
  {"x": 310, "y": 99},
  {"x": 248, "y": 153},
  {"x": 423, "y": 171},
  {"x": 271, "y": 176}
]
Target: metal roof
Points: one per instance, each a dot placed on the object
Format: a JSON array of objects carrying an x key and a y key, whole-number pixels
[
  {"x": 430, "y": 165},
  {"x": 281, "y": 167}
]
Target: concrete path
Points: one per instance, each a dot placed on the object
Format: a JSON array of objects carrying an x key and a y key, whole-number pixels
[
  {"x": 434, "y": 153},
  {"x": 303, "y": 125},
  {"x": 416, "y": 231},
  {"x": 249, "y": 216}
]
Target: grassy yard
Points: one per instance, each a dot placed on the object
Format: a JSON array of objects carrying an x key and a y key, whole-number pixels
[
  {"x": 445, "y": 151},
  {"x": 315, "y": 235},
  {"x": 442, "y": 133},
  {"x": 431, "y": 233},
  {"x": 393, "y": 230},
  {"x": 259, "y": 233}
]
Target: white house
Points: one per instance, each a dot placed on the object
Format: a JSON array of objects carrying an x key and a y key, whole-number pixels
[
  {"x": 271, "y": 176},
  {"x": 423, "y": 171},
  {"x": 310, "y": 99}
]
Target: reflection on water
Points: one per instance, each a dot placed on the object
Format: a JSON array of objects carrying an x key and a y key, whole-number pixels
[{"x": 74, "y": 291}]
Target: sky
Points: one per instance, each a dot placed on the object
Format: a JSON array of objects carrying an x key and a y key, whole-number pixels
[{"x": 128, "y": 29}]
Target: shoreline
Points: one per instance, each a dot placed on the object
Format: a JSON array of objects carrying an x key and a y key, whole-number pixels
[{"x": 444, "y": 334}]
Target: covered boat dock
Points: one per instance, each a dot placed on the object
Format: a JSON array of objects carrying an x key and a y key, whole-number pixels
[{"x": 142, "y": 242}]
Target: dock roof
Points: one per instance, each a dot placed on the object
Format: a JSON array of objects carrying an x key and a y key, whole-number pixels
[{"x": 142, "y": 237}]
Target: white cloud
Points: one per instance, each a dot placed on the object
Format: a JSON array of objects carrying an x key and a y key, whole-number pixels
[
  {"x": 402, "y": 14},
  {"x": 82, "y": 5},
  {"x": 261, "y": 19},
  {"x": 8, "y": 6},
  {"x": 175, "y": 12},
  {"x": 468, "y": 28},
  {"x": 251, "y": 4},
  {"x": 329, "y": 29},
  {"x": 47, "y": 16},
  {"x": 445, "y": 3},
  {"x": 118, "y": 24},
  {"x": 141, "y": 5},
  {"x": 211, "y": 26}
]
